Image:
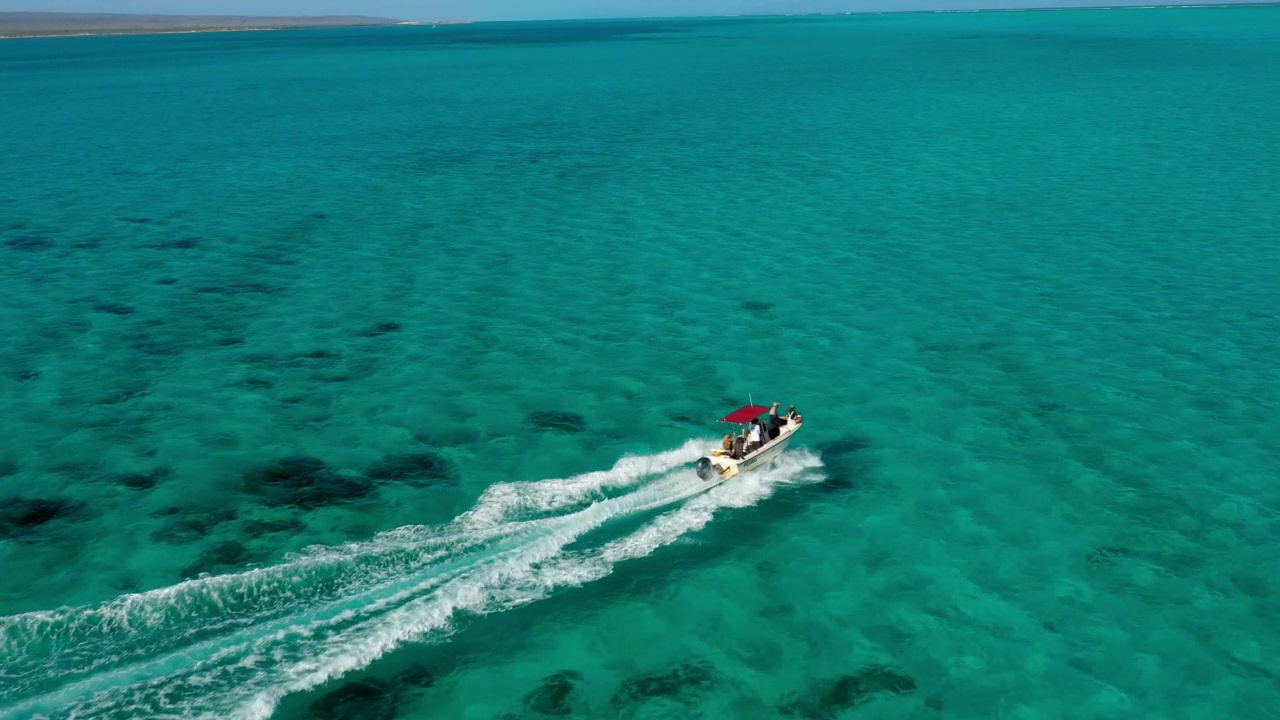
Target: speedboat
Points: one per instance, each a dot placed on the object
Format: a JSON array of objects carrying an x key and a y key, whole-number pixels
[{"x": 721, "y": 465}]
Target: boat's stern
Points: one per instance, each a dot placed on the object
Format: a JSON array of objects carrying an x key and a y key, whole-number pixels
[
  {"x": 706, "y": 470},
  {"x": 717, "y": 467}
]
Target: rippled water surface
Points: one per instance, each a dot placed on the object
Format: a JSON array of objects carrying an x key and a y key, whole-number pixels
[{"x": 361, "y": 373}]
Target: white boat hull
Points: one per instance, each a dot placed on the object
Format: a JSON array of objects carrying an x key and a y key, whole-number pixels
[{"x": 717, "y": 468}]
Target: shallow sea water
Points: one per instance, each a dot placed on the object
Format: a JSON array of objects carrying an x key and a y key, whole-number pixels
[{"x": 360, "y": 373}]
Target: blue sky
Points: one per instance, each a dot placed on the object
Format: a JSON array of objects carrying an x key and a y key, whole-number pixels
[{"x": 526, "y": 9}]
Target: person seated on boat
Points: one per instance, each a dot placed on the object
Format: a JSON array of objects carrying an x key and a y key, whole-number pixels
[
  {"x": 727, "y": 446},
  {"x": 737, "y": 451},
  {"x": 794, "y": 416}
]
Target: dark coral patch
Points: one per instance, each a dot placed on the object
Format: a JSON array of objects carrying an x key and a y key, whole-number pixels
[
  {"x": 259, "y": 288},
  {"x": 1107, "y": 555},
  {"x": 846, "y": 465},
  {"x": 230, "y": 341},
  {"x": 74, "y": 467},
  {"x": 756, "y": 306},
  {"x": 29, "y": 243},
  {"x": 828, "y": 698},
  {"x": 305, "y": 482},
  {"x": 295, "y": 469},
  {"x": 8, "y": 467},
  {"x": 257, "y": 383},
  {"x": 415, "y": 468},
  {"x": 311, "y": 360},
  {"x": 382, "y": 328},
  {"x": 367, "y": 699},
  {"x": 139, "y": 481},
  {"x": 240, "y": 289},
  {"x": 552, "y": 697},
  {"x": 142, "y": 480},
  {"x": 113, "y": 308},
  {"x": 167, "y": 281},
  {"x": 20, "y": 516},
  {"x": 675, "y": 683},
  {"x": 136, "y": 220},
  {"x": 1047, "y": 409},
  {"x": 839, "y": 480},
  {"x": 124, "y": 396},
  {"x": 152, "y": 346},
  {"x": 416, "y": 675},
  {"x": 558, "y": 420},
  {"x": 226, "y": 555},
  {"x": 185, "y": 526},
  {"x": 256, "y": 528},
  {"x": 26, "y": 375},
  {"x": 186, "y": 243}
]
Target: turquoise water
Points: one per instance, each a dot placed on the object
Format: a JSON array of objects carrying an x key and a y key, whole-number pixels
[{"x": 360, "y": 373}]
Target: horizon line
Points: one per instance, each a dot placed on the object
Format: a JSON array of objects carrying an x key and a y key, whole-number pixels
[{"x": 827, "y": 13}]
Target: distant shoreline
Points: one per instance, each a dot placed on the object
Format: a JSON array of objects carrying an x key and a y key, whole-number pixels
[
  {"x": 18, "y": 25},
  {"x": 109, "y": 33},
  {"x": 104, "y": 33}
]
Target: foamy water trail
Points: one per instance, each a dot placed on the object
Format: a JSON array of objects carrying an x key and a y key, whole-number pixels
[
  {"x": 234, "y": 645},
  {"x": 503, "y": 501}
]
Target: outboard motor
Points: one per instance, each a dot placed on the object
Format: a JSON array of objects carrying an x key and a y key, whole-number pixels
[{"x": 706, "y": 470}]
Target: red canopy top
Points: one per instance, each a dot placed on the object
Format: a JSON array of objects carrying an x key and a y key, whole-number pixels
[{"x": 745, "y": 414}]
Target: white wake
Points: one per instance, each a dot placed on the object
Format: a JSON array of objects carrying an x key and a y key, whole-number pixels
[{"x": 234, "y": 645}]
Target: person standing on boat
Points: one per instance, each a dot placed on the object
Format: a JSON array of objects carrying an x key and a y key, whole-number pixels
[
  {"x": 756, "y": 438},
  {"x": 775, "y": 422}
]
